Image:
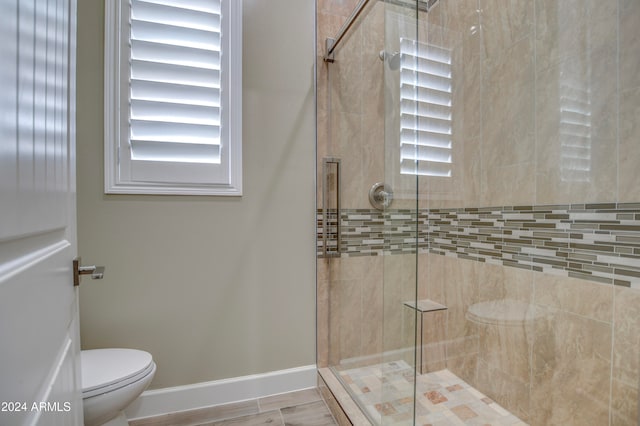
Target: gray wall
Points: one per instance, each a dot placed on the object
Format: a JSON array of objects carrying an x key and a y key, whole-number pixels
[{"x": 213, "y": 287}]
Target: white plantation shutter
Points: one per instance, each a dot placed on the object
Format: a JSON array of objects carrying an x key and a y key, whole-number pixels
[
  {"x": 176, "y": 122},
  {"x": 175, "y": 81},
  {"x": 425, "y": 109}
]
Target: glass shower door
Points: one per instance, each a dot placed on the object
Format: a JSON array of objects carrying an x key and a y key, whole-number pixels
[
  {"x": 352, "y": 268},
  {"x": 367, "y": 267},
  {"x": 400, "y": 212}
]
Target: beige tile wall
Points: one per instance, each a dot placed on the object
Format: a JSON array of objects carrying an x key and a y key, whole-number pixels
[
  {"x": 517, "y": 64},
  {"x": 629, "y": 109},
  {"x": 626, "y": 357},
  {"x": 555, "y": 366},
  {"x": 575, "y": 57}
]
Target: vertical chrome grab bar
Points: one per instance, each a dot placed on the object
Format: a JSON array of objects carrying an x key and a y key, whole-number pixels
[{"x": 325, "y": 198}]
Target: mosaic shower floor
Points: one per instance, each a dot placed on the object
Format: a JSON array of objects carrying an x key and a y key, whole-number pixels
[{"x": 442, "y": 398}]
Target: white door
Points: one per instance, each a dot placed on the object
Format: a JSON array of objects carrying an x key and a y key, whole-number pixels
[{"x": 39, "y": 338}]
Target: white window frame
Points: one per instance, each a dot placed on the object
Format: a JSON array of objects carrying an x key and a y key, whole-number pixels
[{"x": 222, "y": 179}]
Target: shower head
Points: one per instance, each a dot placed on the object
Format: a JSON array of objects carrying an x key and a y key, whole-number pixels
[{"x": 392, "y": 59}]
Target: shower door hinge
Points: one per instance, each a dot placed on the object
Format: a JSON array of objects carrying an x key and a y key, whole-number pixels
[{"x": 330, "y": 56}]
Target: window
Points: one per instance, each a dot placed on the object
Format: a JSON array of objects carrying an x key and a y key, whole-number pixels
[
  {"x": 173, "y": 101},
  {"x": 425, "y": 109}
]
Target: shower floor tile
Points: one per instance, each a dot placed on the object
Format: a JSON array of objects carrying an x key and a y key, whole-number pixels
[{"x": 442, "y": 398}]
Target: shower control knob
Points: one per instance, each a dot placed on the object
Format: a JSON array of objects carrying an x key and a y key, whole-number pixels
[{"x": 380, "y": 196}]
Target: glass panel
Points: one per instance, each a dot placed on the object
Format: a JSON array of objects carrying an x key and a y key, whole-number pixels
[
  {"x": 401, "y": 233},
  {"x": 504, "y": 286},
  {"x": 354, "y": 135},
  {"x": 369, "y": 330}
]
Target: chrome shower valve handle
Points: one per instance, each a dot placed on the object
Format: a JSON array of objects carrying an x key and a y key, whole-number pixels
[{"x": 380, "y": 196}]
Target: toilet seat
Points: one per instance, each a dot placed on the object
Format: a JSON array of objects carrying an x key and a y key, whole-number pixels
[
  {"x": 105, "y": 370},
  {"x": 504, "y": 312}
]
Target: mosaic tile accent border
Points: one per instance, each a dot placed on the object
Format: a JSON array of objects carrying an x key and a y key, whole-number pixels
[
  {"x": 370, "y": 232},
  {"x": 596, "y": 242}
]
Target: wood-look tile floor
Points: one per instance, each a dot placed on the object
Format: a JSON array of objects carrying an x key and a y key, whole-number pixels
[{"x": 304, "y": 408}]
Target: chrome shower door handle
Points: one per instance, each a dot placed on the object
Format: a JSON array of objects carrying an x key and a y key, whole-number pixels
[
  {"x": 96, "y": 272},
  {"x": 325, "y": 199}
]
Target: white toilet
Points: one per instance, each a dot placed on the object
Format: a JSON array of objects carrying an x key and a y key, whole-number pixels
[{"x": 111, "y": 380}]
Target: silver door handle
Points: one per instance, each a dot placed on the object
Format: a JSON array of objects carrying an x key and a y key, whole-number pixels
[{"x": 96, "y": 272}]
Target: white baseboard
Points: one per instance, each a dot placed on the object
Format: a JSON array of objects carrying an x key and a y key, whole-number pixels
[{"x": 181, "y": 398}]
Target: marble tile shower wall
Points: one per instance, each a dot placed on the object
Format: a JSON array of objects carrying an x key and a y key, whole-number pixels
[{"x": 572, "y": 357}]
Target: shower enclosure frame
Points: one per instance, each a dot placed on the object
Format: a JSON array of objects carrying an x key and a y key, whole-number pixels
[{"x": 529, "y": 238}]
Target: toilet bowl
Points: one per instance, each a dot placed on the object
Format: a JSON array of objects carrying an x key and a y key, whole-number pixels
[
  {"x": 505, "y": 329},
  {"x": 505, "y": 313},
  {"x": 111, "y": 380}
]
